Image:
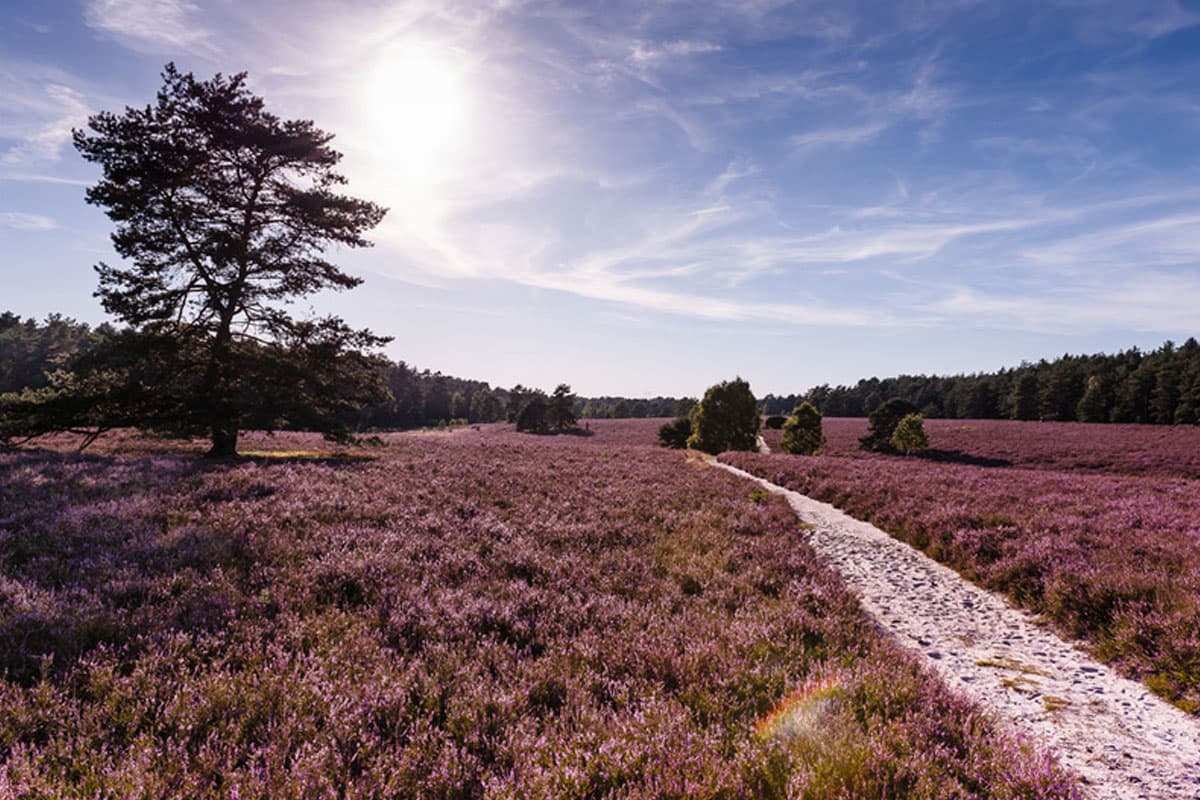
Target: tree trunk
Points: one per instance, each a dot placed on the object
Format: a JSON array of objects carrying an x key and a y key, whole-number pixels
[{"x": 224, "y": 440}]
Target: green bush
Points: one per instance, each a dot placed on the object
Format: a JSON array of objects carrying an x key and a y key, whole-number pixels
[
  {"x": 883, "y": 422},
  {"x": 802, "y": 431},
  {"x": 909, "y": 436},
  {"x": 675, "y": 434},
  {"x": 726, "y": 419},
  {"x": 775, "y": 421}
]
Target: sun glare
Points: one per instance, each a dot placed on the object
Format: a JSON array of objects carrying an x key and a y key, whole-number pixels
[{"x": 415, "y": 102}]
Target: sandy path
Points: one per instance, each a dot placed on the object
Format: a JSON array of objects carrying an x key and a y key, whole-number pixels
[{"x": 1124, "y": 741}]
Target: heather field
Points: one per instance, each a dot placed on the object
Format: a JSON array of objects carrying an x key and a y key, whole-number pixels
[
  {"x": 450, "y": 615},
  {"x": 1157, "y": 450},
  {"x": 1106, "y": 557}
]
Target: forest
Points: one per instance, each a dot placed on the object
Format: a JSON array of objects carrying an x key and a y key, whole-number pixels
[
  {"x": 30, "y": 351},
  {"x": 1160, "y": 387}
]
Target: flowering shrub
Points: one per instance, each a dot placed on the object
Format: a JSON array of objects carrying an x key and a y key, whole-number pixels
[
  {"x": 457, "y": 615},
  {"x": 1108, "y": 558}
]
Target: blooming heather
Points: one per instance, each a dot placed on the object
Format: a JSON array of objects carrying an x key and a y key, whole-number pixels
[
  {"x": 1108, "y": 558},
  {"x": 463, "y": 615},
  {"x": 1162, "y": 450}
]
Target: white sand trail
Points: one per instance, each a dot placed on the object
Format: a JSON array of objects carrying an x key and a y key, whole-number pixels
[{"x": 1125, "y": 742}]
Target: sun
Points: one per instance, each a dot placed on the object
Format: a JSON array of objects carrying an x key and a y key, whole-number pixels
[{"x": 415, "y": 103}]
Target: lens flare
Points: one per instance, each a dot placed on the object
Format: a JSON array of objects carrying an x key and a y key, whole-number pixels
[{"x": 802, "y": 712}]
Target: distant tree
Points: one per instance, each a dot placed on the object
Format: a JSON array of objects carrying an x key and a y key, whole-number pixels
[
  {"x": 534, "y": 416},
  {"x": 437, "y": 400},
  {"x": 1164, "y": 399},
  {"x": 1024, "y": 400},
  {"x": 802, "y": 431},
  {"x": 459, "y": 407},
  {"x": 1132, "y": 402},
  {"x": 484, "y": 406},
  {"x": 684, "y": 406},
  {"x": 774, "y": 422},
  {"x": 1062, "y": 389},
  {"x": 561, "y": 409},
  {"x": 883, "y": 422},
  {"x": 675, "y": 434},
  {"x": 1093, "y": 406},
  {"x": 726, "y": 419},
  {"x": 30, "y": 352},
  {"x": 224, "y": 213},
  {"x": 909, "y": 435},
  {"x": 979, "y": 400},
  {"x": 871, "y": 401},
  {"x": 518, "y": 396}
]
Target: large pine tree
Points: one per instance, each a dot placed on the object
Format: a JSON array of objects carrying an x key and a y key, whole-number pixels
[{"x": 223, "y": 215}]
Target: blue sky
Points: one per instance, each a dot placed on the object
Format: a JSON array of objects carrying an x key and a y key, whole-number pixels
[{"x": 647, "y": 198}]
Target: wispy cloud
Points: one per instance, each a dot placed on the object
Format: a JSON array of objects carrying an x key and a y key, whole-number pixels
[
  {"x": 170, "y": 27},
  {"x": 839, "y": 137},
  {"x": 1162, "y": 241},
  {"x": 21, "y": 221},
  {"x": 38, "y": 108},
  {"x": 1150, "y": 302}
]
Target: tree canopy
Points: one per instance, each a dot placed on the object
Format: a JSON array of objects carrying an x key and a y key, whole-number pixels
[
  {"x": 726, "y": 419},
  {"x": 909, "y": 436},
  {"x": 223, "y": 215},
  {"x": 1160, "y": 387},
  {"x": 802, "y": 431},
  {"x": 883, "y": 422}
]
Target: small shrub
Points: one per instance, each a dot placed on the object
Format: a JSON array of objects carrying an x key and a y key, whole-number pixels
[
  {"x": 775, "y": 421},
  {"x": 883, "y": 422},
  {"x": 802, "y": 432},
  {"x": 675, "y": 434},
  {"x": 909, "y": 435}
]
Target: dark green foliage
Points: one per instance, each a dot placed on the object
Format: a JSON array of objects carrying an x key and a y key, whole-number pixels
[
  {"x": 909, "y": 436},
  {"x": 421, "y": 398},
  {"x": 484, "y": 406},
  {"x": 774, "y": 422},
  {"x": 675, "y": 434},
  {"x": 1024, "y": 400},
  {"x": 1093, "y": 406},
  {"x": 534, "y": 415},
  {"x": 883, "y": 422},
  {"x": 538, "y": 413},
  {"x": 518, "y": 396},
  {"x": 628, "y": 407},
  {"x": 561, "y": 413},
  {"x": 29, "y": 351},
  {"x": 223, "y": 212},
  {"x": 726, "y": 419},
  {"x": 802, "y": 431},
  {"x": 1161, "y": 387}
]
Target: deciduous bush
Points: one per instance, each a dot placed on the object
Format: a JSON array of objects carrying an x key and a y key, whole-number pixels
[
  {"x": 775, "y": 421},
  {"x": 726, "y": 419},
  {"x": 802, "y": 431}
]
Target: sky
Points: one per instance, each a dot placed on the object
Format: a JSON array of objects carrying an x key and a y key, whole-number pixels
[{"x": 646, "y": 198}]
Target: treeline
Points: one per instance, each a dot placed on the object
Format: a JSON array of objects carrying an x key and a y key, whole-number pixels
[
  {"x": 1160, "y": 387},
  {"x": 627, "y": 408},
  {"x": 31, "y": 350}
]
